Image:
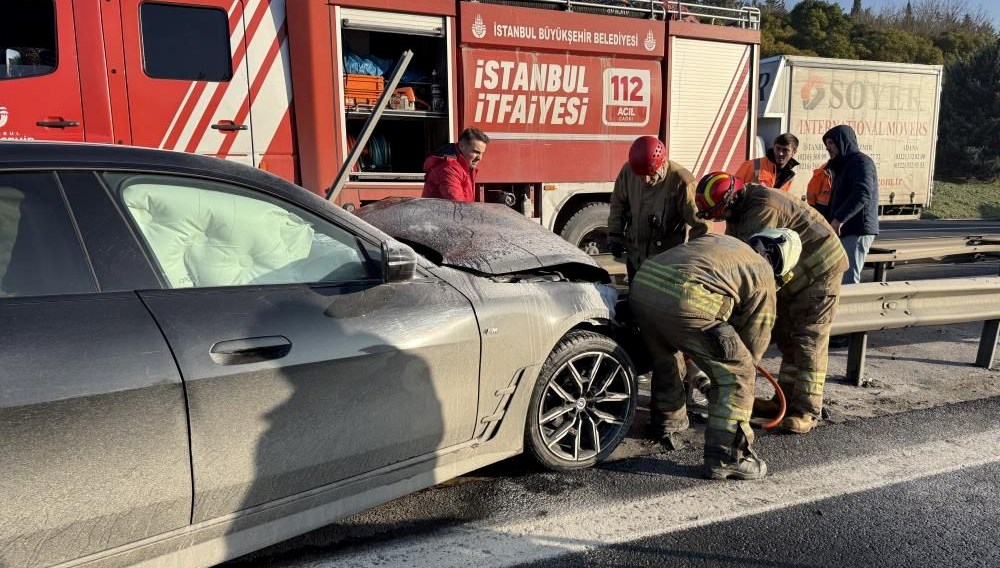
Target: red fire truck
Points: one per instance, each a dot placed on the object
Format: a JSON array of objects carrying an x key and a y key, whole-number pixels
[{"x": 561, "y": 86}]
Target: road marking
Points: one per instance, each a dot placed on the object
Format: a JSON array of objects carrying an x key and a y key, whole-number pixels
[{"x": 486, "y": 545}]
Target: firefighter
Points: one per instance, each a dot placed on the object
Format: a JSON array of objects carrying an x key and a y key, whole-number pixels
[
  {"x": 652, "y": 206},
  {"x": 819, "y": 189},
  {"x": 808, "y": 297},
  {"x": 777, "y": 169},
  {"x": 714, "y": 299}
]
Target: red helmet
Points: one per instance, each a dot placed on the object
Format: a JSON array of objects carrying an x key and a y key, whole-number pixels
[
  {"x": 716, "y": 192},
  {"x": 646, "y": 156}
]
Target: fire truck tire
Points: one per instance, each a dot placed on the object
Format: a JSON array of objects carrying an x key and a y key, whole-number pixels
[
  {"x": 582, "y": 404},
  {"x": 588, "y": 228}
]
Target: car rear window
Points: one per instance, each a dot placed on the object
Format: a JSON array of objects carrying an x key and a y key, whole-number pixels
[{"x": 40, "y": 252}]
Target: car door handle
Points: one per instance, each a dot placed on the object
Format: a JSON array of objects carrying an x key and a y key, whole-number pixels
[
  {"x": 58, "y": 123},
  {"x": 250, "y": 350},
  {"x": 228, "y": 126}
]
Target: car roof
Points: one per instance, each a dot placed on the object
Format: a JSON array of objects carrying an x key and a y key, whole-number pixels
[
  {"x": 74, "y": 155},
  {"x": 26, "y": 156}
]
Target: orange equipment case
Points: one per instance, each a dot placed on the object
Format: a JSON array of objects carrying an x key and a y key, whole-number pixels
[{"x": 362, "y": 90}]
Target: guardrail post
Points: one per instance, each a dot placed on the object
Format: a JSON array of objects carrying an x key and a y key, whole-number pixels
[
  {"x": 988, "y": 344},
  {"x": 856, "y": 352},
  {"x": 879, "y": 275}
]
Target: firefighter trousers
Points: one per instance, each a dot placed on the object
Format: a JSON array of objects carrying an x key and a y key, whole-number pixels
[
  {"x": 716, "y": 348},
  {"x": 802, "y": 333}
]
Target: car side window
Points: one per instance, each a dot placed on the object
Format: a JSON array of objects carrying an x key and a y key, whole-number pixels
[
  {"x": 203, "y": 233},
  {"x": 40, "y": 251}
]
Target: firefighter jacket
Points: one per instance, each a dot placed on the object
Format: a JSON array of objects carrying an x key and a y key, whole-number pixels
[
  {"x": 759, "y": 207},
  {"x": 766, "y": 172},
  {"x": 819, "y": 189},
  {"x": 449, "y": 176},
  {"x": 650, "y": 220},
  {"x": 717, "y": 277}
]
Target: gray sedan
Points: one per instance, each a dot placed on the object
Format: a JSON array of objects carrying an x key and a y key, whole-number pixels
[{"x": 200, "y": 359}]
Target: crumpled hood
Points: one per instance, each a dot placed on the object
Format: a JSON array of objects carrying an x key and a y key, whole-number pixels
[
  {"x": 486, "y": 238},
  {"x": 845, "y": 139}
]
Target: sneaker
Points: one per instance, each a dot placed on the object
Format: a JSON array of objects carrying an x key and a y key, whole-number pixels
[
  {"x": 746, "y": 468},
  {"x": 798, "y": 424}
]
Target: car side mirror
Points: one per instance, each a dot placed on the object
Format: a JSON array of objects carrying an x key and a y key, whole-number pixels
[{"x": 399, "y": 262}]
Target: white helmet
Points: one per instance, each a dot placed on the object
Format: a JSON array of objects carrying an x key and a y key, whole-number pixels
[{"x": 781, "y": 247}]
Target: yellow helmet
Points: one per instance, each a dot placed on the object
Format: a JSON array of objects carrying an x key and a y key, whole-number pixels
[{"x": 781, "y": 247}]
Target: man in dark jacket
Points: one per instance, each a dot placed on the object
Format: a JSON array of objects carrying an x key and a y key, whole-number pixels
[
  {"x": 854, "y": 201},
  {"x": 450, "y": 172}
]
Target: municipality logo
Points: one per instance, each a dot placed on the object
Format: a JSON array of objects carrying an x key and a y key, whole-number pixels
[
  {"x": 3, "y": 116},
  {"x": 650, "y": 43},
  {"x": 478, "y": 27}
]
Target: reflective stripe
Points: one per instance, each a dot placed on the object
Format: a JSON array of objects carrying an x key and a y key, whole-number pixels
[
  {"x": 826, "y": 257},
  {"x": 756, "y": 170},
  {"x": 676, "y": 284},
  {"x": 762, "y": 319}
]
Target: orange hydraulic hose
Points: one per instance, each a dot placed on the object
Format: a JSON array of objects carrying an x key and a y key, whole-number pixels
[{"x": 781, "y": 399}]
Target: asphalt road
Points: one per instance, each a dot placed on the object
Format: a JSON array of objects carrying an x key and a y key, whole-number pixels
[{"x": 911, "y": 489}]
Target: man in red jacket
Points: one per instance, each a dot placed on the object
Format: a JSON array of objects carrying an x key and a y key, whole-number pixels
[{"x": 451, "y": 171}]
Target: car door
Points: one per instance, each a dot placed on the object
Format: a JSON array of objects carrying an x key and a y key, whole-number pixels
[
  {"x": 302, "y": 367},
  {"x": 93, "y": 426},
  {"x": 39, "y": 75},
  {"x": 187, "y": 79}
]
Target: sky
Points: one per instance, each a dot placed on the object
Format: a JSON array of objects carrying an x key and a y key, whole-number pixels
[{"x": 991, "y": 7}]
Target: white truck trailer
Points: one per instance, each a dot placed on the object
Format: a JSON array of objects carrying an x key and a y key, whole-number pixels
[{"x": 893, "y": 108}]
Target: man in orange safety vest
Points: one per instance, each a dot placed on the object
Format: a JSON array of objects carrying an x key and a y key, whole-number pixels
[{"x": 777, "y": 169}]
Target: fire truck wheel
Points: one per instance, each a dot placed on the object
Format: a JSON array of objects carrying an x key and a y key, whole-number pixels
[
  {"x": 583, "y": 402},
  {"x": 588, "y": 228}
]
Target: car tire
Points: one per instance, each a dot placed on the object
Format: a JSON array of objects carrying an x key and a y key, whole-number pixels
[
  {"x": 588, "y": 228},
  {"x": 582, "y": 404}
]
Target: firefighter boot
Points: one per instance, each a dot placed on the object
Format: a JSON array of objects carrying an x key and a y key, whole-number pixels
[
  {"x": 770, "y": 407},
  {"x": 729, "y": 456},
  {"x": 804, "y": 411},
  {"x": 664, "y": 426},
  {"x": 799, "y": 424}
]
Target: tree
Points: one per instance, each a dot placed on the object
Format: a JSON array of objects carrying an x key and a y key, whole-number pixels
[
  {"x": 968, "y": 147},
  {"x": 956, "y": 44},
  {"x": 856, "y": 9},
  {"x": 822, "y": 28},
  {"x": 776, "y": 35},
  {"x": 934, "y": 17},
  {"x": 895, "y": 45}
]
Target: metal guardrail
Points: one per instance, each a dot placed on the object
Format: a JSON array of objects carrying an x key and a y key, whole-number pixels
[
  {"x": 745, "y": 17},
  {"x": 892, "y": 305},
  {"x": 885, "y": 253},
  {"x": 880, "y": 305}
]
